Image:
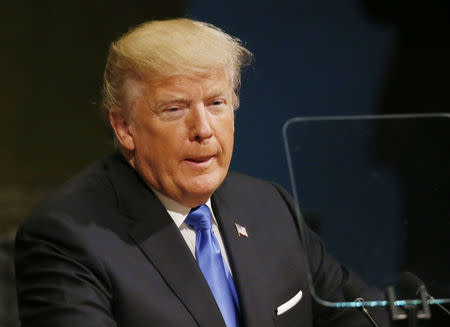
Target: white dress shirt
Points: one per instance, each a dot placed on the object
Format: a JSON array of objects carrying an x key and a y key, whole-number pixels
[{"x": 179, "y": 213}]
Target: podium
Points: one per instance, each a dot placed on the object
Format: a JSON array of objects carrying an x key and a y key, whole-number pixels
[{"x": 376, "y": 188}]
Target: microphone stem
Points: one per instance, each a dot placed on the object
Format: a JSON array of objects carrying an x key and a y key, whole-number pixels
[
  {"x": 366, "y": 312},
  {"x": 438, "y": 304},
  {"x": 369, "y": 316}
]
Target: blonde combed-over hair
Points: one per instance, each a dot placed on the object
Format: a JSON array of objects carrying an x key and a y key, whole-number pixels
[{"x": 161, "y": 49}]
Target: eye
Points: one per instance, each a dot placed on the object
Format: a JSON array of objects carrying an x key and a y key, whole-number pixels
[
  {"x": 218, "y": 102},
  {"x": 172, "y": 112},
  {"x": 218, "y": 105}
]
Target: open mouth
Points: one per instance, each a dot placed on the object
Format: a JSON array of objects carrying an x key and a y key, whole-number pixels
[{"x": 200, "y": 160}]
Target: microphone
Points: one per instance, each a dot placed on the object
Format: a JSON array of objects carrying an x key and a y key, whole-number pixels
[
  {"x": 352, "y": 292},
  {"x": 409, "y": 281}
]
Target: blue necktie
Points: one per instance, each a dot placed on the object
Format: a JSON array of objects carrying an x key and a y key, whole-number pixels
[{"x": 207, "y": 251}]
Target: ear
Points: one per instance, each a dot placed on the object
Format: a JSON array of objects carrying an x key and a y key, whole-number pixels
[{"x": 121, "y": 127}]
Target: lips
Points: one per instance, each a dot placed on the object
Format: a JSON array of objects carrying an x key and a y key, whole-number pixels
[
  {"x": 200, "y": 162},
  {"x": 200, "y": 159}
]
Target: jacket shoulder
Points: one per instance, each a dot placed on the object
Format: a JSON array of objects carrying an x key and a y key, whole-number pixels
[
  {"x": 82, "y": 195},
  {"x": 241, "y": 184}
]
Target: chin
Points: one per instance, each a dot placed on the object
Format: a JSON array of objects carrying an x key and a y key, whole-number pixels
[{"x": 204, "y": 185}]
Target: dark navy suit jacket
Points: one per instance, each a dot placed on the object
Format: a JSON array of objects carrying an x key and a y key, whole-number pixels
[{"x": 103, "y": 251}]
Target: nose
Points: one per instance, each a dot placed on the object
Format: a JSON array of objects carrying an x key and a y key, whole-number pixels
[{"x": 199, "y": 124}]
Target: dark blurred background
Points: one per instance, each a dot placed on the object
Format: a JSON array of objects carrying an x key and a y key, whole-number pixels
[{"x": 312, "y": 58}]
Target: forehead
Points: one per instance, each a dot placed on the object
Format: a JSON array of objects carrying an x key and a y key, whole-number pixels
[
  {"x": 199, "y": 84},
  {"x": 182, "y": 87}
]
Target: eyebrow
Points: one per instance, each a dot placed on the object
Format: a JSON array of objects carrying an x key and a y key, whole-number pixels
[
  {"x": 182, "y": 99},
  {"x": 216, "y": 92},
  {"x": 169, "y": 100}
]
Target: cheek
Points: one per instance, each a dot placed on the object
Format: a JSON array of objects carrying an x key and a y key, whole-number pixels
[
  {"x": 231, "y": 129},
  {"x": 161, "y": 141},
  {"x": 227, "y": 137}
]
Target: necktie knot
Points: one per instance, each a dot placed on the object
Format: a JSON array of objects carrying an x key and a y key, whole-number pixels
[{"x": 199, "y": 218}]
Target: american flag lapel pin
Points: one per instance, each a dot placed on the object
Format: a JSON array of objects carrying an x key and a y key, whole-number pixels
[{"x": 241, "y": 230}]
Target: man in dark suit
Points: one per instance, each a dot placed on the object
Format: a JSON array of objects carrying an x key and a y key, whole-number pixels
[{"x": 118, "y": 245}]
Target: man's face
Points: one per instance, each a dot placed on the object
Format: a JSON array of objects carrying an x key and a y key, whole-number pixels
[{"x": 181, "y": 134}]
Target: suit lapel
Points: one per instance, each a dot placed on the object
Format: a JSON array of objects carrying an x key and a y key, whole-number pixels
[
  {"x": 161, "y": 242},
  {"x": 244, "y": 255}
]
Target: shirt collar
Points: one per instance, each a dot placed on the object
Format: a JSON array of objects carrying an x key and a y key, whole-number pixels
[{"x": 177, "y": 211}]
